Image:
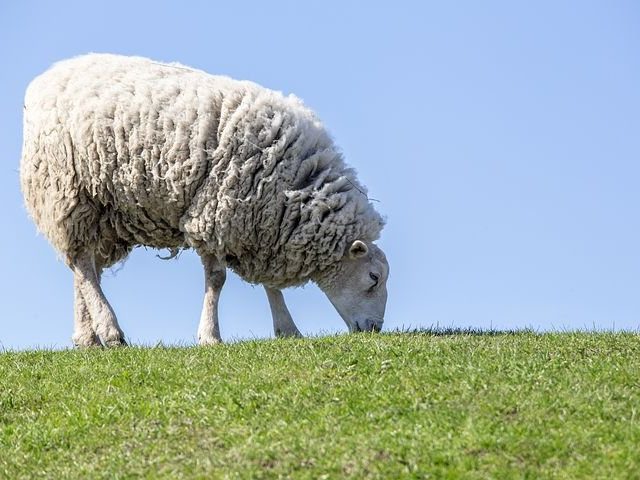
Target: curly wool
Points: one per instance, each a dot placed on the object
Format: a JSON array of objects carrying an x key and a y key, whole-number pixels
[{"x": 123, "y": 151}]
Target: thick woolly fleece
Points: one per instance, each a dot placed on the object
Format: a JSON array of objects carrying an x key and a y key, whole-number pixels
[{"x": 124, "y": 151}]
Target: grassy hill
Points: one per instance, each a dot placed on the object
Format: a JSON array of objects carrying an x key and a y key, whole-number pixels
[{"x": 414, "y": 405}]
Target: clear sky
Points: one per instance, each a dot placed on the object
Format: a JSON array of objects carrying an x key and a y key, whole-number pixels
[{"x": 502, "y": 140}]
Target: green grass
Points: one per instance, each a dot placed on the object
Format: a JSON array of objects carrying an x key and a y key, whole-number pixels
[{"x": 412, "y": 405}]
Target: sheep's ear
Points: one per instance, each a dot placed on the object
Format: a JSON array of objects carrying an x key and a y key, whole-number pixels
[{"x": 358, "y": 249}]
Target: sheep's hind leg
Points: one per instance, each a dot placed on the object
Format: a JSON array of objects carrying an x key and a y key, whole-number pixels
[
  {"x": 214, "y": 278},
  {"x": 103, "y": 319},
  {"x": 83, "y": 333},
  {"x": 283, "y": 325}
]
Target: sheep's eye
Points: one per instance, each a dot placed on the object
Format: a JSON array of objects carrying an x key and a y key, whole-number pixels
[{"x": 375, "y": 278}]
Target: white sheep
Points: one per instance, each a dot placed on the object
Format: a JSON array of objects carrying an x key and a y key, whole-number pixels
[{"x": 123, "y": 151}]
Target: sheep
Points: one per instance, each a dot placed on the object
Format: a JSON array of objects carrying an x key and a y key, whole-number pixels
[{"x": 120, "y": 152}]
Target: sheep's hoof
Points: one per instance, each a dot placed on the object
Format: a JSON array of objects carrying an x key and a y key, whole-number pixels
[
  {"x": 116, "y": 342},
  {"x": 86, "y": 341},
  {"x": 204, "y": 340},
  {"x": 288, "y": 334}
]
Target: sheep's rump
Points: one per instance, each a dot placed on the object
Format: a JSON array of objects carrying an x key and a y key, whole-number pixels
[{"x": 124, "y": 151}]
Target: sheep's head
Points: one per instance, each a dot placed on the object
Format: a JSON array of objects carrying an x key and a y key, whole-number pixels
[{"x": 358, "y": 290}]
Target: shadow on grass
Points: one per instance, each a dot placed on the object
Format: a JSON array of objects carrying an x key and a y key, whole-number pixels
[{"x": 438, "y": 331}]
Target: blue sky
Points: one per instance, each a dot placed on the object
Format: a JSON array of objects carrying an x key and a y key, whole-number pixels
[{"x": 500, "y": 138}]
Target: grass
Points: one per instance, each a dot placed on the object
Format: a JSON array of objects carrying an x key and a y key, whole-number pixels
[{"x": 412, "y": 405}]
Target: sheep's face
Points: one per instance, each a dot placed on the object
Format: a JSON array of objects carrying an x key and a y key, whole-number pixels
[{"x": 359, "y": 291}]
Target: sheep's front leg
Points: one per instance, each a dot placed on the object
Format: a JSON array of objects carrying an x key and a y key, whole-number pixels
[
  {"x": 92, "y": 304},
  {"x": 283, "y": 325},
  {"x": 214, "y": 278}
]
